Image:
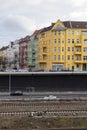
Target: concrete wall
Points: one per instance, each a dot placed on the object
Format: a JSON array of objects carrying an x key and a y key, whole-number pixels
[{"x": 44, "y": 82}]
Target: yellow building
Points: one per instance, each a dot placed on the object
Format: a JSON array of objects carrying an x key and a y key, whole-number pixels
[{"x": 63, "y": 45}]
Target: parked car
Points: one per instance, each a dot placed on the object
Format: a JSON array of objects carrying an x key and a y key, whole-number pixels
[
  {"x": 16, "y": 93},
  {"x": 23, "y": 70},
  {"x": 50, "y": 97}
]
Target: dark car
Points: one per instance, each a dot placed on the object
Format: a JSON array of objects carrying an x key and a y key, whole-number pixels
[{"x": 16, "y": 93}]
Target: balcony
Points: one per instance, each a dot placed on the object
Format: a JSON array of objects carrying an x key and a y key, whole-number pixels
[
  {"x": 32, "y": 65},
  {"x": 33, "y": 56},
  {"x": 58, "y": 62},
  {"x": 78, "y": 44},
  {"x": 42, "y": 61},
  {"x": 77, "y": 52},
  {"x": 78, "y": 61},
  {"x": 33, "y": 51},
  {"x": 44, "y": 53},
  {"x": 44, "y": 45}
]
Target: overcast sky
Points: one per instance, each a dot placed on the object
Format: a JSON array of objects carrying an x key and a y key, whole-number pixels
[{"x": 19, "y": 18}]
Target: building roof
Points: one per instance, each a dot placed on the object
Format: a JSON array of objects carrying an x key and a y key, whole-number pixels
[
  {"x": 75, "y": 24},
  {"x": 47, "y": 28},
  {"x": 25, "y": 39},
  {"x": 67, "y": 24},
  {"x": 36, "y": 32},
  {"x": 3, "y": 48}
]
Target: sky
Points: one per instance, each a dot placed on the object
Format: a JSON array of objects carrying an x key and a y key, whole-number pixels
[{"x": 19, "y": 18}]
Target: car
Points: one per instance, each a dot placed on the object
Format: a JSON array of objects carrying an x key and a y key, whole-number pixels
[
  {"x": 16, "y": 93},
  {"x": 50, "y": 97},
  {"x": 7, "y": 70},
  {"x": 23, "y": 70}
]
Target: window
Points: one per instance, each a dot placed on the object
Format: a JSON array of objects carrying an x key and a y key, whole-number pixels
[
  {"x": 62, "y": 49},
  {"x": 69, "y": 32},
  {"x": 62, "y": 41},
  {"x": 54, "y": 57},
  {"x": 68, "y": 48},
  {"x": 72, "y": 40},
  {"x": 54, "y": 49},
  {"x": 62, "y": 32},
  {"x": 77, "y": 33},
  {"x": 77, "y": 49},
  {"x": 55, "y": 33},
  {"x": 72, "y": 48},
  {"x": 42, "y": 35},
  {"x": 68, "y": 57},
  {"x": 78, "y": 58},
  {"x": 58, "y": 40},
  {"x": 77, "y": 66},
  {"x": 58, "y": 49},
  {"x": 84, "y": 33},
  {"x": 58, "y": 32},
  {"x": 54, "y": 40},
  {"x": 77, "y": 41},
  {"x": 84, "y": 57},
  {"x": 68, "y": 40},
  {"x": 85, "y": 49},
  {"x": 72, "y": 32},
  {"x": 72, "y": 57},
  {"x": 85, "y": 40},
  {"x": 40, "y": 57}
]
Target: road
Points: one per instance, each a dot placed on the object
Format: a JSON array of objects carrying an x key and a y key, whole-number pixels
[{"x": 41, "y": 95}]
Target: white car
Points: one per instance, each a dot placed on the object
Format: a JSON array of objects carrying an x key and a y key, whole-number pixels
[
  {"x": 23, "y": 70},
  {"x": 50, "y": 97}
]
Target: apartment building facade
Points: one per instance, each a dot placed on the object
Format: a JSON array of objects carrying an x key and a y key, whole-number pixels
[
  {"x": 12, "y": 55},
  {"x": 32, "y": 50},
  {"x": 23, "y": 52},
  {"x": 63, "y": 45},
  {"x": 3, "y": 57}
]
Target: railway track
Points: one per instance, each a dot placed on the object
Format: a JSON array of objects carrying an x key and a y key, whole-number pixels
[
  {"x": 43, "y": 108},
  {"x": 46, "y": 114}
]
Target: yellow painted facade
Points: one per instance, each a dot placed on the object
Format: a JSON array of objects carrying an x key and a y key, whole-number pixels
[{"x": 62, "y": 47}]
